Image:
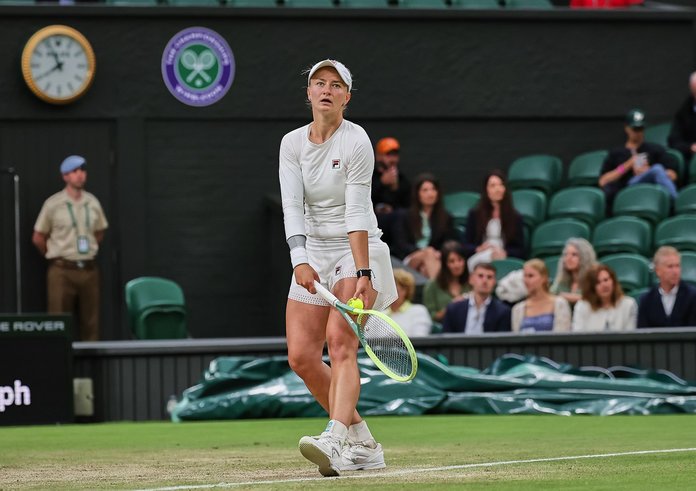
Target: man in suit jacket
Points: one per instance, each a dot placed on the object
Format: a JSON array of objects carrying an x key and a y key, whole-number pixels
[
  {"x": 670, "y": 303},
  {"x": 480, "y": 312}
]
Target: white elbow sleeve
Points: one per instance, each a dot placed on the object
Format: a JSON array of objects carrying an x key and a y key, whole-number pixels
[{"x": 358, "y": 207}]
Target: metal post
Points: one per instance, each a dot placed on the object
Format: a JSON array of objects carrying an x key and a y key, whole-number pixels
[{"x": 18, "y": 257}]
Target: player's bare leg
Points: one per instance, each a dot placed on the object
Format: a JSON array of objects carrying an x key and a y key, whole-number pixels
[{"x": 306, "y": 335}]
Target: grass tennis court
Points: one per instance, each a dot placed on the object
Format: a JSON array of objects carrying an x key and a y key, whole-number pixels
[{"x": 419, "y": 452}]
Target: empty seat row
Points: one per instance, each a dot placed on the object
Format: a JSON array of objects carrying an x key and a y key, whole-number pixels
[
  {"x": 545, "y": 172},
  {"x": 647, "y": 201},
  {"x": 619, "y": 234}
]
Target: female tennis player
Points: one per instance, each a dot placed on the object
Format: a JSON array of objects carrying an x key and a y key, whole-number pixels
[{"x": 325, "y": 177}]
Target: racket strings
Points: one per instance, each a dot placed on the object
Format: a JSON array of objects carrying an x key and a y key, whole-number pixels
[{"x": 386, "y": 344}]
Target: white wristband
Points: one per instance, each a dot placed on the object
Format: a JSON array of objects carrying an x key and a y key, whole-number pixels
[{"x": 298, "y": 255}]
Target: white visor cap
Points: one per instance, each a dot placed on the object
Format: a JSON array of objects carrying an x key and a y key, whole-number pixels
[{"x": 343, "y": 72}]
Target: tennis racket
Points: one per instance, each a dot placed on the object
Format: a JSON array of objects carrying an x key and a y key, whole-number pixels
[{"x": 383, "y": 340}]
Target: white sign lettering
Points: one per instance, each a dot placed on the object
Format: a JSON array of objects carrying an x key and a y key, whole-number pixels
[
  {"x": 40, "y": 326},
  {"x": 17, "y": 395}
]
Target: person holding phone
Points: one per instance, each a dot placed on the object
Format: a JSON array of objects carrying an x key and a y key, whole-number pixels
[{"x": 637, "y": 161}]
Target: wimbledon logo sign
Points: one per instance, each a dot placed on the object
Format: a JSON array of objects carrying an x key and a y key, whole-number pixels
[{"x": 198, "y": 66}]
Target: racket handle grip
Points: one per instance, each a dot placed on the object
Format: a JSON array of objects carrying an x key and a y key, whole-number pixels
[{"x": 325, "y": 294}]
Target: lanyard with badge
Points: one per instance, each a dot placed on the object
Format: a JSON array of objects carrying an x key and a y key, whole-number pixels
[{"x": 82, "y": 240}]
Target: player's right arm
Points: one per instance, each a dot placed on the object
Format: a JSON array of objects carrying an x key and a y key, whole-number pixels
[{"x": 292, "y": 199}]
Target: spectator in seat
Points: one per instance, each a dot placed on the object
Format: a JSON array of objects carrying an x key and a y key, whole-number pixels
[
  {"x": 672, "y": 302},
  {"x": 578, "y": 256},
  {"x": 391, "y": 190},
  {"x": 494, "y": 229},
  {"x": 637, "y": 161},
  {"x": 683, "y": 133},
  {"x": 423, "y": 229},
  {"x": 413, "y": 318},
  {"x": 451, "y": 283},
  {"x": 480, "y": 312},
  {"x": 603, "y": 307},
  {"x": 541, "y": 311}
]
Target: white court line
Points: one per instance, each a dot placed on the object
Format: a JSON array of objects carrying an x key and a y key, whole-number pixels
[{"x": 373, "y": 475}]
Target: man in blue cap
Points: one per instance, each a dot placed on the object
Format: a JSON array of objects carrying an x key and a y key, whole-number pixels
[{"x": 67, "y": 233}]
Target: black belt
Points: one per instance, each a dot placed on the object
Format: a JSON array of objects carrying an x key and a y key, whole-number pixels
[{"x": 67, "y": 264}]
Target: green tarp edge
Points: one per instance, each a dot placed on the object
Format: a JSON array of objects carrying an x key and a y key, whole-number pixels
[{"x": 248, "y": 387}]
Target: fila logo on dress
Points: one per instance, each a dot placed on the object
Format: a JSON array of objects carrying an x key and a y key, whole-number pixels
[{"x": 336, "y": 164}]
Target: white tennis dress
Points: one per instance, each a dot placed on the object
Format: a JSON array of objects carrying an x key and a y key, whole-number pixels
[{"x": 325, "y": 191}]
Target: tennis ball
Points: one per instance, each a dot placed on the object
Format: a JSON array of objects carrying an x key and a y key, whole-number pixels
[{"x": 355, "y": 303}]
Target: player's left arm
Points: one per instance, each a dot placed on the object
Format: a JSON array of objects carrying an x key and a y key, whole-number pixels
[{"x": 358, "y": 211}]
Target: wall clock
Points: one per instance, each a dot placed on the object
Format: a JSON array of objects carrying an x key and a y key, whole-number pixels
[{"x": 58, "y": 64}]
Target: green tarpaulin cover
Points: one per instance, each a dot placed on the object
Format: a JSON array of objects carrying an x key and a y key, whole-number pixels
[{"x": 247, "y": 387}]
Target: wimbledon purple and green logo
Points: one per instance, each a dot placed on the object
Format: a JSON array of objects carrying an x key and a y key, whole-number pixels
[{"x": 198, "y": 66}]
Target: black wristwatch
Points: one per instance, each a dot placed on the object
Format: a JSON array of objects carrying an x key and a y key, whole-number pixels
[{"x": 364, "y": 272}]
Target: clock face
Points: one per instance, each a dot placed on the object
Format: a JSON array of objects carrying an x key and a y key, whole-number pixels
[{"x": 58, "y": 64}]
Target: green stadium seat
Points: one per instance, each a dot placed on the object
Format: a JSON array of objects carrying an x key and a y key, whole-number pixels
[
  {"x": 623, "y": 234},
  {"x": 528, "y": 4},
  {"x": 252, "y": 3},
  {"x": 686, "y": 200},
  {"x": 458, "y": 205},
  {"x": 583, "y": 203},
  {"x": 422, "y": 4},
  {"x": 531, "y": 204},
  {"x": 658, "y": 133},
  {"x": 195, "y": 3},
  {"x": 156, "y": 308},
  {"x": 648, "y": 201},
  {"x": 688, "y": 267},
  {"x": 133, "y": 3},
  {"x": 549, "y": 238},
  {"x": 364, "y": 4},
  {"x": 678, "y": 231},
  {"x": 507, "y": 265},
  {"x": 474, "y": 4},
  {"x": 636, "y": 294},
  {"x": 538, "y": 171},
  {"x": 679, "y": 161},
  {"x": 17, "y": 2},
  {"x": 585, "y": 168},
  {"x": 632, "y": 270},
  {"x": 552, "y": 265},
  {"x": 309, "y": 4}
]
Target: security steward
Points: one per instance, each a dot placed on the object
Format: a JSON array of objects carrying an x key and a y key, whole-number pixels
[{"x": 67, "y": 233}]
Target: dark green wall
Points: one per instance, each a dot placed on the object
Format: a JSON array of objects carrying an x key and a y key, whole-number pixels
[{"x": 184, "y": 187}]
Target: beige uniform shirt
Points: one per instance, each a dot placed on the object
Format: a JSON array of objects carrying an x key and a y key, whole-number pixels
[{"x": 56, "y": 221}]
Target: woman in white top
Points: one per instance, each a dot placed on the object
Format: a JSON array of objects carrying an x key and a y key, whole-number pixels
[
  {"x": 604, "y": 307},
  {"x": 494, "y": 229},
  {"x": 413, "y": 318},
  {"x": 541, "y": 311},
  {"x": 325, "y": 177}
]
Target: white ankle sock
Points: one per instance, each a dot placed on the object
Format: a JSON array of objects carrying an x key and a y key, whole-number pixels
[
  {"x": 359, "y": 432},
  {"x": 337, "y": 429}
]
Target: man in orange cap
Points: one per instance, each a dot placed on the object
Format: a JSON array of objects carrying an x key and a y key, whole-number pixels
[{"x": 391, "y": 190}]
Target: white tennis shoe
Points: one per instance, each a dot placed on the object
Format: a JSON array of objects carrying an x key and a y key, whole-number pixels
[
  {"x": 365, "y": 455},
  {"x": 324, "y": 451}
]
